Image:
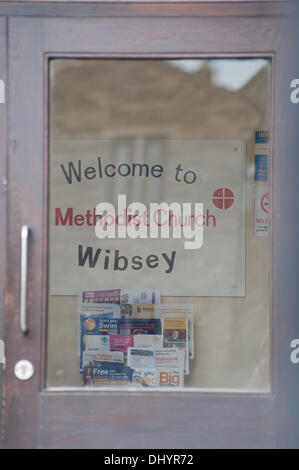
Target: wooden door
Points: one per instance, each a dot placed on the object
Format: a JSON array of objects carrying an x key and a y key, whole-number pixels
[{"x": 39, "y": 416}]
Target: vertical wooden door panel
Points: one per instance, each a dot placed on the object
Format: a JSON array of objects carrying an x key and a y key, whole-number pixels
[
  {"x": 25, "y": 206},
  {"x": 3, "y": 181}
]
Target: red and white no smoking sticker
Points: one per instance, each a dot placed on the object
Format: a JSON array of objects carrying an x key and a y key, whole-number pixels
[
  {"x": 261, "y": 210},
  {"x": 265, "y": 202}
]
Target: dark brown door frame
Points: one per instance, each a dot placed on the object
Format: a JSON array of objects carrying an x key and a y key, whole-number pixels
[
  {"x": 132, "y": 8},
  {"x": 33, "y": 415},
  {"x": 3, "y": 184}
]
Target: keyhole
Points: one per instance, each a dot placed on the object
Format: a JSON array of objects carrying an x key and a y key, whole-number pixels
[{"x": 24, "y": 370}]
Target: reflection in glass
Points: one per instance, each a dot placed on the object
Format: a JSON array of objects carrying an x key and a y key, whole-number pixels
[{"x": 141, "y": 107}]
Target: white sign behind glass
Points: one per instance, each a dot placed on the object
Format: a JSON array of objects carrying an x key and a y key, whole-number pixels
[{"x": 211, "y": 172}]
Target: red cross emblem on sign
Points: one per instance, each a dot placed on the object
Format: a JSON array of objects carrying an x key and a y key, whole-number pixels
[{"x": 223, "y": 198}]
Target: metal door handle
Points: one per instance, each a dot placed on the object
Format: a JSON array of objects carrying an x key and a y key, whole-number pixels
[{"x": 24, "y": 262}]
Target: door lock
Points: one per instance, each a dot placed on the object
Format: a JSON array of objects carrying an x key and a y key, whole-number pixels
[{"x": 24, "y": 370}]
